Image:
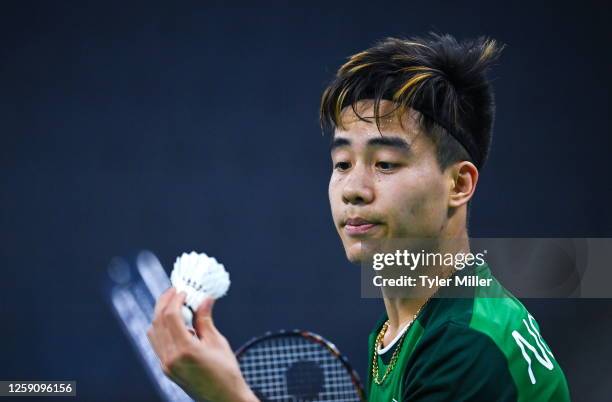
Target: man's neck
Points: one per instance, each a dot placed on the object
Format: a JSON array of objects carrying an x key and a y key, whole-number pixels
[{"x": 401, "y": 311}]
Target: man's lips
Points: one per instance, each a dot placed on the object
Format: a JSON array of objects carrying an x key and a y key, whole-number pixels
[{"x": 358, "y": 226}]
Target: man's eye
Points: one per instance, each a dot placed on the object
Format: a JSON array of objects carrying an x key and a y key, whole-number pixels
[
  {"x": 342, "y": 166},
  {"x": 387, "y": 166}
]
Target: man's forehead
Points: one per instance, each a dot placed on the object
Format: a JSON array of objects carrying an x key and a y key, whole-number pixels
[
  {"x": 359, "y": 121},
  {"x": 362, "y": 132}
]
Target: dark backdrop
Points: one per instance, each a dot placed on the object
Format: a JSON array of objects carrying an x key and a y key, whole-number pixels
[{"x": 180, "y": 126}]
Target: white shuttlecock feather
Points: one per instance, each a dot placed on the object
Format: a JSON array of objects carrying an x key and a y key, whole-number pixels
[{"x": 199, "y": 276}]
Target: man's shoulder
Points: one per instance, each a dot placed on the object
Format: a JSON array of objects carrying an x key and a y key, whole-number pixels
[
  {"x": 504, "y": 359},
  {"x": 493, "y": 333},
  {"x": 491, "y": 310}
]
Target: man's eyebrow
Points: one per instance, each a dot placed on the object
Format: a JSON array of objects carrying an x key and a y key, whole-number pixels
[
  {"x": 339, "y": 142},
  {"x": 395, "y": 142}
]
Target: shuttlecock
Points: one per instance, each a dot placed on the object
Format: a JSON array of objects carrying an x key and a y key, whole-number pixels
[{"x": 199, "y": 276}]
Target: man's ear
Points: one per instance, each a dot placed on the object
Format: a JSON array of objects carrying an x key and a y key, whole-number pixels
[{"x": 463, "y": 178}]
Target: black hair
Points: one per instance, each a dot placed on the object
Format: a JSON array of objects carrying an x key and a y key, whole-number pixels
[{"x": 441, "y": 78}]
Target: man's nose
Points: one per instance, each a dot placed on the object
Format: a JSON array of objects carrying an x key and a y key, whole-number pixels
[{"x": 358, "y": 188}]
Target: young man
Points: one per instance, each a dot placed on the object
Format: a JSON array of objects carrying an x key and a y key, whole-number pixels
[{"x": 411, "y": 123}]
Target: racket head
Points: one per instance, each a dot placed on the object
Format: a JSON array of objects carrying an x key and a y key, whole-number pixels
[{"x": 298, "y": 365}]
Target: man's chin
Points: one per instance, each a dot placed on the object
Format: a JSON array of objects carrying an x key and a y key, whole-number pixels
[{"x": 354, "y": 253}]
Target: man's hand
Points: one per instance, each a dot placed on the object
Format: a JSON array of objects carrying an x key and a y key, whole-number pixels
[{"x": 205, "y": 367}]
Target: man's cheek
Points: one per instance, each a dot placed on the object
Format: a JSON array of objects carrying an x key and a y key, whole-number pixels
[
  {"x": 416, "y": 207},
  {"x": 407, "y": 220},
  {"x": 334, "y": 210},
  {"x": 333, "y": 202}
]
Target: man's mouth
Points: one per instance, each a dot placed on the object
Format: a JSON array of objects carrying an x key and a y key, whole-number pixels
[{"x": 358, "y": 226}]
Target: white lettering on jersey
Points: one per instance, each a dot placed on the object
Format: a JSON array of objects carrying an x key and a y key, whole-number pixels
[{"x": 541, "y": 355}]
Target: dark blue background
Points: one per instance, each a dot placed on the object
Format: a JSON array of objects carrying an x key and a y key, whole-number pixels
[{"x": 188, "y": 126}]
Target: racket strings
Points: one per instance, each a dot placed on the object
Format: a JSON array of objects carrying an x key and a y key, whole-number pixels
[{"x": 294, "y": 368}]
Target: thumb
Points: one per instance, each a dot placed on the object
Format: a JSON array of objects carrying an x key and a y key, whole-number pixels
[{"x": 203, "y": 321}]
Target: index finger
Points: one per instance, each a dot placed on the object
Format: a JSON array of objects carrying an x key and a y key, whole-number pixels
[
  {"x": 173, "y": 318},
  {"x": 163, "y": 300}
]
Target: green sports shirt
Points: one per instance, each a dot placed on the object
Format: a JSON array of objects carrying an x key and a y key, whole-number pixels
[{"x": 486, "y": 347}]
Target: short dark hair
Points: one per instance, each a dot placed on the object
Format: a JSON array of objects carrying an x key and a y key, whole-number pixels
[{"x": 441, "y": 78}]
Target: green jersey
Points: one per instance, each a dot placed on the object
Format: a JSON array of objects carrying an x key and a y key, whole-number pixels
[{"x": 486, "y": 347}]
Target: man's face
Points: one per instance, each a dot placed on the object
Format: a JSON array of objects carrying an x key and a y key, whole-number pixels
[{"x": 385, "y": 186}]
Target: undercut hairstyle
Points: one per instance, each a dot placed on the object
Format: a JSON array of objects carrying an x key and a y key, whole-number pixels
[{"x": 441, "y": 78}]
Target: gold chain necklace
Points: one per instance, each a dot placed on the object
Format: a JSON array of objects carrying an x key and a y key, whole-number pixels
[{"x": 395, "y": 355}]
